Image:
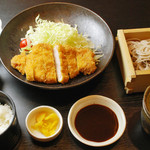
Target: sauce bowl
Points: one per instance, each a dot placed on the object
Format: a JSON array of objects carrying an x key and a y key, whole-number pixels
[{"x": 103, "y": 101}]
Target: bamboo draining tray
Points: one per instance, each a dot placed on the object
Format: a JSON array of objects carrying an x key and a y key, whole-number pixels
[{"x": 134, "y": 80}]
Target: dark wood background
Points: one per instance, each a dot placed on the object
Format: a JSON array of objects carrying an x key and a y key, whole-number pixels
[{"x": 118, "y": 14}]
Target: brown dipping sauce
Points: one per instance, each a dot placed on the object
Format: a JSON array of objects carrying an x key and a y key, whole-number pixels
[{"x": 96, "y": 123}]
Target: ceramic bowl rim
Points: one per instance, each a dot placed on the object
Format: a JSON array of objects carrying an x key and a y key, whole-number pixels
[
  {"x": 49, "y": 138},
  {"x": 121, "y": 127}
]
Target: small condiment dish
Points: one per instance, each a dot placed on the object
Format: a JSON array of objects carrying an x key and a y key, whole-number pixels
[
  {"x": 10, "y": 136},
  {"x": 102, "y": 101},
  {"x": 31, "y": 120}
]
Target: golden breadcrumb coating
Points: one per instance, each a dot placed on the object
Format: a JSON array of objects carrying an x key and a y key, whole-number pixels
[
  {"x": 18, "y": 62},
  {"x": 43, "y": 64},
  {"x": 38, "y": 65},
  {"x": 49, "y": 64},
  {"x": 29, "y": 68},
  {"x": 85, "y": 61},
  {"x": 70, "y": 53}
]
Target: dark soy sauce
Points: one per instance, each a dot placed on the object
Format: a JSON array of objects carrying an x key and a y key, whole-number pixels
[{"x": 96, "y": 123}]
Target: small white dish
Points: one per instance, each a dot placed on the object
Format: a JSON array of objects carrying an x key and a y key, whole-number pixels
[
  {"x": 30, "y": 121},
  {"x": 101, "y": 100}
]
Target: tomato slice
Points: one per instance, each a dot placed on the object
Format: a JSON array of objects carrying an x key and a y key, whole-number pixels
[{"x": 23, "y": 43}]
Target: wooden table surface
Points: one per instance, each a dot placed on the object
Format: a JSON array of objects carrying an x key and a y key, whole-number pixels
[{"x": 119, "y": 14}]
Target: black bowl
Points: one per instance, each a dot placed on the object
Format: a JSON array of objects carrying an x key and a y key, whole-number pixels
[
  {"x": 10, "y": 137},
  {"x": 87, "y": 21}
]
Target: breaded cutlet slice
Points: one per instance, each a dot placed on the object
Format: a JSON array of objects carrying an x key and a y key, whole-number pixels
[
  {"x": 18, "y": 62},
  {"x": 70, "y": 53},
  {"x": 49, "y": 64},
  {"x": 85, "y": 61},
  {"x": 29, "y": 68},
  {"x": 43, "y": 63},
  {"x": 61, "y": 64},
  {"x": 37, "y": 63}
]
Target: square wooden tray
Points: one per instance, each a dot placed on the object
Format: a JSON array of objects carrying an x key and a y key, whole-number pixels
[{"x": 134, "y": 80}]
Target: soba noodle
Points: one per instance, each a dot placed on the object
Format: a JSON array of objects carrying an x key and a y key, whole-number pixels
[{"x": 140, "y": 53}]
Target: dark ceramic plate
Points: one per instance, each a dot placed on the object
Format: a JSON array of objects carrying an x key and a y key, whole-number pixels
[{"x": 87, "y": 21}]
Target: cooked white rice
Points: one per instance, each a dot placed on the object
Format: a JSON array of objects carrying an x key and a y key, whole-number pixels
[{"x": 5, "y": 117}]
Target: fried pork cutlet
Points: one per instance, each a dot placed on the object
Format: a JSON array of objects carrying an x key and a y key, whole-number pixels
[
  {"x": 38, "y": 65},
  {"x": 42, "y": 64},
  {"x": 61, "y": 64},
  {"x": 29, "y": 69},
  {"x": 51, "y": 64},
  {"x": 70, "y": 53},
  {"x": 38, "y": 62},
  {"x": 85, "y": 61},
  {"x": 18, "y": 62}
]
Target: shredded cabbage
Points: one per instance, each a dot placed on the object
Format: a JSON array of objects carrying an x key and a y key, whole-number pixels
[{"x": 53, "y": 33}]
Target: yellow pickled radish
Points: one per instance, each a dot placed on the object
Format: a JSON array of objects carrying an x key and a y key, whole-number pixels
[
  {"x": 46, "y": 123},
  {"x": 40, "y": 116}
]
